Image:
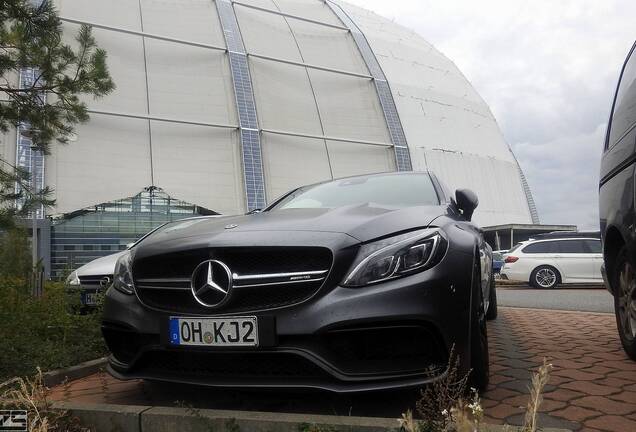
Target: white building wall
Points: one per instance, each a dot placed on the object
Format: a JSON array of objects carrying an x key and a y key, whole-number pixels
[
  {"x": 336, "y": 117},
  {"x": 449, "y": 128}
]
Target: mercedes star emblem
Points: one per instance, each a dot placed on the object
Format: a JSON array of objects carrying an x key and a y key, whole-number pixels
[{"x": 211, "y": 283}]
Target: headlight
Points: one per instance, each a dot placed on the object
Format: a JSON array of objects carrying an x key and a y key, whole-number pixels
[
  {"x": 73, "y": 280},
  {"x": 122, "y": 278},
  {"x": 394, "y": 257}
]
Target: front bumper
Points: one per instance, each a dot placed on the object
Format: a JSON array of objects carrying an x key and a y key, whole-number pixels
[{"x": 394, "y": 334}]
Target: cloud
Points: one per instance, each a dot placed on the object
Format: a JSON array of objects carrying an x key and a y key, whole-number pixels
[{"x": 548, "y": 71}]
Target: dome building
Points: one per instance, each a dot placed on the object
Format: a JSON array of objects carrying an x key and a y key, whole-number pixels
[{"x": 225, "y": 105}]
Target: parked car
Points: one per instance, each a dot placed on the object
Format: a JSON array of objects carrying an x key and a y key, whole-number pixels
[
  {"x": 96, "y": 276},
  {"x": 560, "y": 258},
  {"x": 497, "y": 263},
  {"x": 361, "y": 283},
  {"x": 93, "y": 278},
  {"x": 616, "y": 204}
]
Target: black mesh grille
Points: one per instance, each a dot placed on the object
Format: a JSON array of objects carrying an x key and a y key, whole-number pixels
[
  {"x": 223, "y": 366},
  {"x": 243, "y": 261},
  {"x": 383, "y": 349}
]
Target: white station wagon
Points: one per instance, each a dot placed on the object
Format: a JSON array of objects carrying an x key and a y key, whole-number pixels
[{"x": 553, "y": 259}]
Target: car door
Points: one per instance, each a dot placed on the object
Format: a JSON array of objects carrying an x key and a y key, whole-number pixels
[
  {"x": 596, "y": 258},
  {"x": 573, "y": 259}
]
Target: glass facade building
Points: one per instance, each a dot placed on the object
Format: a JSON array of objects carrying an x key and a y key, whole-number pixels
[{"x": 106, "y": 228}]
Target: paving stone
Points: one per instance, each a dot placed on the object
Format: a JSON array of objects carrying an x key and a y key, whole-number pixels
[
  {"x": 562, "y": 394},
  {"x": 612, "y": 423},
  {"x": 605, "y": 405},
  {"x": 503, "y": 410},
  {"x": 623, "y": 374},
  {"x": 500, "y": 394},
  {"x": 487, "y": 403},
  {"x": 627, "y": 396},
  {"x": 517, "y": 401},
  {"x": 520, "y": 374},
  {"x": 549, "y": 405},
  {"x": 545, "y": 421},
  {"x": 520, "y": 386},
  {"x": 577, "y": 375},
  {"x": 575, "y": 413},
  {"x": 518, "y": 363},
  {"x": 590, "y": 388},
  {"x": 497, "y": 379},
  {"x": 610, "y": 382}
]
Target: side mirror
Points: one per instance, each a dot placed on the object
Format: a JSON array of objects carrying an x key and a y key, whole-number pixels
[
  {"x": 466, "y": 201},
  {"x": 254, "y": 211}
]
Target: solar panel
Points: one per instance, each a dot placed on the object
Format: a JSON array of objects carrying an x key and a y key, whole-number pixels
[{"x": 246, "y": 107}]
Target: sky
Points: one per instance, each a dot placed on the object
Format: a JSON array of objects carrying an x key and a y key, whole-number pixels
[{"x": 548, "y": 70}]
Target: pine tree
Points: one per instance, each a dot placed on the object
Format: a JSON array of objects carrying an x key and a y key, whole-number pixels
[{"x": 31, "y": 37}]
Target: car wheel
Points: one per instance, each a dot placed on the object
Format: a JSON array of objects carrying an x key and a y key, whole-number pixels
[
  {"x": 479, "y": 358},
  {"x": 492, "y": 304},
  {"x": 545, "y": 277},
  {"x": 625, "y": 302}
]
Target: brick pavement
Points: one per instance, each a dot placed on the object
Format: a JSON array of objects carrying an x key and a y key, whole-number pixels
[{"x": 592, "y": 386}]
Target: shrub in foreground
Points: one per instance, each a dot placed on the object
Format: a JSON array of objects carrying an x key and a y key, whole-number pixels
[{"x": 47, "y": 332}]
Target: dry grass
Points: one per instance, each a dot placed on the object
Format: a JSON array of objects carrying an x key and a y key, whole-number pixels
[
  {"x": 31, "y": 394},
  {"x": 539, "y": 380},
  {"x": 444, "y": 408},
  {"x": 442, "y": 395}
]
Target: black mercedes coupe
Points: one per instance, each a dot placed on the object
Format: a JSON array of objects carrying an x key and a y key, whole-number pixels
[{"x": 362, "y": 283}]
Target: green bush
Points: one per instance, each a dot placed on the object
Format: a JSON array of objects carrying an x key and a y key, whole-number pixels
[
  {"x": 49, "y": 331},
  {"x": 15, "y": 253}
]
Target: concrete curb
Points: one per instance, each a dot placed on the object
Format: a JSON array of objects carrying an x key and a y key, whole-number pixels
[
  {"x": 137, "y": 418},
  {"x": 81, "y": 370},
  {"x": 561, "y": 311}
]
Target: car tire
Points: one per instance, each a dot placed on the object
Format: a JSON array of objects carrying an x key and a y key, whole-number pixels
[
  {"x": 479, "y": 357},
  {"x": 492, "y": 305},
  {"x": 624, "y": 284},
  {"x": 545, "y": 277}
]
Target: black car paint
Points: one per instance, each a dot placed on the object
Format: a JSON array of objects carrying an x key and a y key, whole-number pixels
[
  {"x": 440, "y": 296},
  {"x": 616, "y": 193}
]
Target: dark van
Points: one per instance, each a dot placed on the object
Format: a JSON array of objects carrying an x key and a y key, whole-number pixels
[{"x": 616, "y": 205}]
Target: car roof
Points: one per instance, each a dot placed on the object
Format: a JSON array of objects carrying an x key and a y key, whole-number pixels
[{"x": 568, "y": 235}]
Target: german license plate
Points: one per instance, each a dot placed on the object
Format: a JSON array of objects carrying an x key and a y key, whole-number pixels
[
  {"x": 226, "y": 331},
  {"x": 89, "y": 299}
]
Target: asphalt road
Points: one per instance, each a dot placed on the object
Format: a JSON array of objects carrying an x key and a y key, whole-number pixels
[{"x": 573, "y": 298}]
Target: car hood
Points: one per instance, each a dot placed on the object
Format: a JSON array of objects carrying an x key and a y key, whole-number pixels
[
  {"x": 100, "y": 266},
  {"x": 362, "y": 222}
]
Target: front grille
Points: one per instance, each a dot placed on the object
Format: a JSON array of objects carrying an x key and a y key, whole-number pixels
[
  {"x": 265, "y": 277},
  {"x": 252, "y": 366}
]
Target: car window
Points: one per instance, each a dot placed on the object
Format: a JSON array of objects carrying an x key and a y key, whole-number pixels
[
  {"x": 593, "y": 246},
  {"x": 541, "y": 247},
  {"x": 624, "y": 115},
  {"x": 572, "y": 246},
  {"x": 392, "y": 191}
]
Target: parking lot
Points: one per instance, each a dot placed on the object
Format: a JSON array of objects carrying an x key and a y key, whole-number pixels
[
  {"x": 586, "y": 298},
  {"x": 592, "y": 387}
]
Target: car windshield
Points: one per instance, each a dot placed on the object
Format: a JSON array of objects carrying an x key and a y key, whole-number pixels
[{"x": 390, "y": 190}]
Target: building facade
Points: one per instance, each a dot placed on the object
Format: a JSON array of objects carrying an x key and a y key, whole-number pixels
[{"x": 228, "y": 104}]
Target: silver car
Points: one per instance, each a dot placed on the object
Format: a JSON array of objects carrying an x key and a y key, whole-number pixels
[{"x": 97, "y": 276}]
